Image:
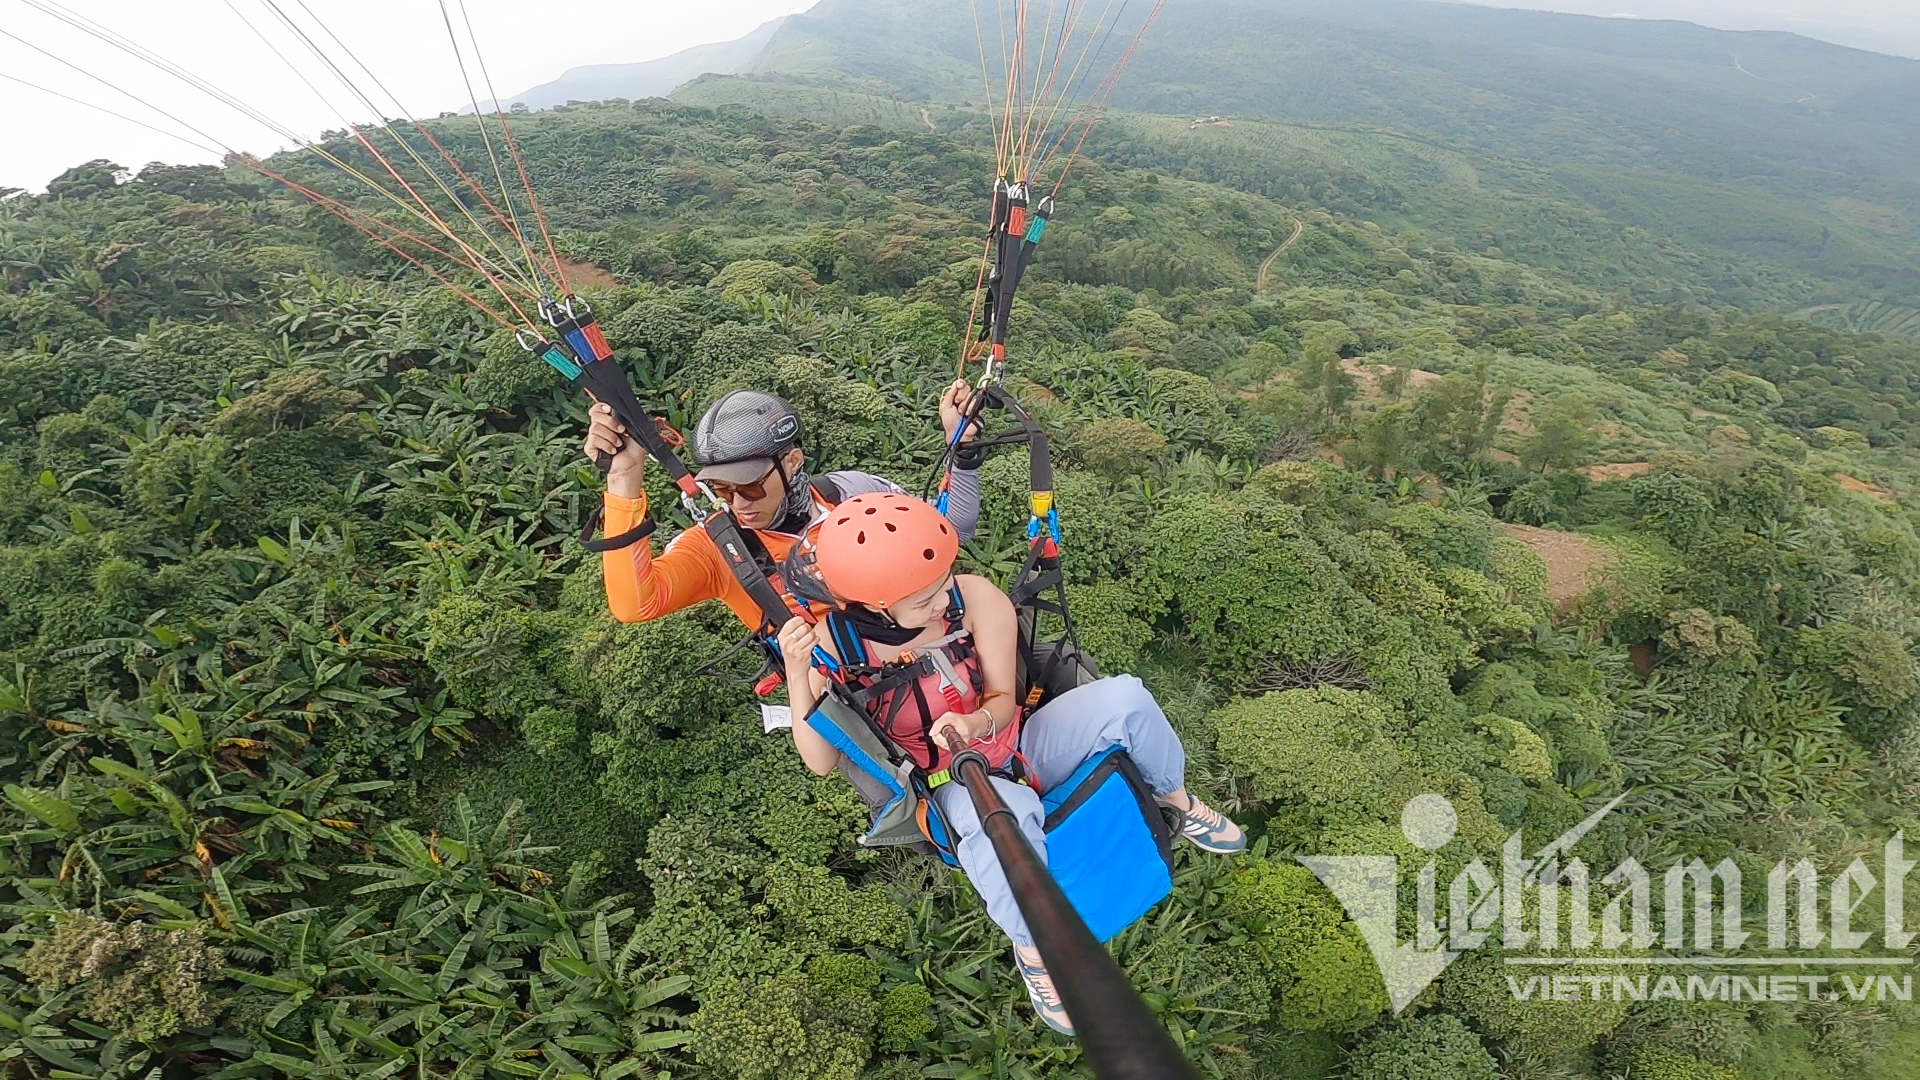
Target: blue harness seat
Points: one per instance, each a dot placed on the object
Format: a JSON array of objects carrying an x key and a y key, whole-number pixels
[{"x": 1108, "y": 846}]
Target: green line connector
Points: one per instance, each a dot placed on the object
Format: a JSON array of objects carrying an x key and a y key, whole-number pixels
[{"x": 561, "y": 362}]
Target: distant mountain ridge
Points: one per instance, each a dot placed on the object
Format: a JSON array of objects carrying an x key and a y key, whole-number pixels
[
  {"x": 1725, "y": 148},
  {"x": 1703, "y": 153},
  {"x": 650, "y": 78},
  {"x": 1856, "y": 24}
]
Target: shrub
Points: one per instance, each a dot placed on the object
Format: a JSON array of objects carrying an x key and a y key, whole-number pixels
[
  {"x": 1321, "y": 746},
  {"x": 1660, "y": 1063},
  {"x": 904, "y": 1017},
  {"x": 786, "y": 1026},
  {"x": 142, "y": 982},
  {"x": 1314, "y": 959},
  {"x": 1433, "y": 1047},
  {"x": 1476, "y": 987},
  {"x": 1118, "y": 445},
  {"x": 745, "y": 281}
]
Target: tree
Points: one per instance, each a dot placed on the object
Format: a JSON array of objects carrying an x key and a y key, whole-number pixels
[
  {"x": 86, "y": 181},
  {"x": 198, "y": 183},
  {"x": 1562, "y": 436},
  {"x": 1457, "y": 417},
  {"x": 1320, "y": 372},
  {"x": 1385, "y": 446}
]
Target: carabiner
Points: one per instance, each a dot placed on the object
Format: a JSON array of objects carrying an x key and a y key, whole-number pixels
[{"x": 694, "y": 510}]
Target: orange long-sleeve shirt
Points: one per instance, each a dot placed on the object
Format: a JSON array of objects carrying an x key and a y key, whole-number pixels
[
  {"x": 688, "y": 571},
  {"x": 642, "y": 586}
]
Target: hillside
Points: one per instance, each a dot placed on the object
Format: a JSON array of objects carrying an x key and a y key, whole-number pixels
[
  {"x": 1752, "y": 168},
  {"x": 652, "y": 78},
  {"x": 1390, "y": 462}
]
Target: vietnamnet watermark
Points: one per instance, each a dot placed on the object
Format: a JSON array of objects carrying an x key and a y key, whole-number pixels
[{"x": 1542, "y": 902}]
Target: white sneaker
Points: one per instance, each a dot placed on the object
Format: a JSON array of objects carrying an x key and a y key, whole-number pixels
[{"x": 1041, "y": 991}]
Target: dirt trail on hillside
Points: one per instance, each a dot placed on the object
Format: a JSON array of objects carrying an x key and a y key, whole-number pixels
[{"x": 1260, "y": 279}]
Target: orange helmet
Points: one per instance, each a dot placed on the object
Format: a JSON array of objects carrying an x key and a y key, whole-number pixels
[{"x": 881, "y": 548}]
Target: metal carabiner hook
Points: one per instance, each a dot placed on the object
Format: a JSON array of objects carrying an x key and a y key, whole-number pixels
[
  {"x": 694, "y": 510},
  {"x": 530, "y": 341},
  {"x": 718, "y": 502}
]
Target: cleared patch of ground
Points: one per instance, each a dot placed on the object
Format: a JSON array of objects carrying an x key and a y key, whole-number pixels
[
  {"x": 1572, "y": 560},
  {"x": 1369, "y": 376},
  {"x": 1616, "y": 470},
  {"x": 1854, "y": 483},
  {"x": 587, "y": 274}
]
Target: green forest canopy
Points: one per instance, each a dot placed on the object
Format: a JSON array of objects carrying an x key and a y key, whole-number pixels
[
  {"x": 1658, "y": 160},
  {"x": 323, "y": 757}
]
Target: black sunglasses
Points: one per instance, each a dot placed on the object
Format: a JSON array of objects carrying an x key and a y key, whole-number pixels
[{"x": 751, "y": 492}]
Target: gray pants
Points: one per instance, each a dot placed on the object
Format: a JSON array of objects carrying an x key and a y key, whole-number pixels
[{"x": 1115, "y": 711}]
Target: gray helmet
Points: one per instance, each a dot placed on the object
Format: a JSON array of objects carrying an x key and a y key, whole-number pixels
[{"x": 742, "y": 435}]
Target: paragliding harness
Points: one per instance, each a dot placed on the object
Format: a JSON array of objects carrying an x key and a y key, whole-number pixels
[
  {"x": 1108, "y": 846},
  {"x": 580, "y": 353},
  {"x": 1047, "y": 669},
  {"x": 886, "y": 691}
]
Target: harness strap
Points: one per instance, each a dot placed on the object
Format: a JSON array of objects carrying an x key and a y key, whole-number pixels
[
  {"x": 612, "y": 543},
  {"x": 736, "y": 550},
  {"x": 875, "y": 688}
]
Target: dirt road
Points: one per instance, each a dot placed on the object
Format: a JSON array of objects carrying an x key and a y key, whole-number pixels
[{"x": 1260, "y": 280}]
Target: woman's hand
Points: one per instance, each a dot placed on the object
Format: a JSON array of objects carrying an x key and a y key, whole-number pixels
[
  {"x": 606, "y": 435},
  {"x": 969, "y": 727},
  {"x": 953, "y": 404},
  {"x": 796, "y": 650}
]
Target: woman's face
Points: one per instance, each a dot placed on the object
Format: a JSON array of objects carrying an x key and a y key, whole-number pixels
[{"x": 919, "y": 610}]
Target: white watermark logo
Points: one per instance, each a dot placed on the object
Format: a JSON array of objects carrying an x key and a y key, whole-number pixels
[{"x": 1535, "y": 898}]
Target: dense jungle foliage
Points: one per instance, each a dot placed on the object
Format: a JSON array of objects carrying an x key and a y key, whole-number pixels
[{"x": 322, "y": 756}]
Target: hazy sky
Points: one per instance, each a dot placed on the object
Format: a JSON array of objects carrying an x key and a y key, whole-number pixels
[
  {"x": 524, "y": 42},
  {"x": 403, "y": 41}
]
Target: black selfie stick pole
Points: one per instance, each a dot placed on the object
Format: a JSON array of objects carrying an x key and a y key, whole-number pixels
[{"x": 1123, "y": 1039}]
